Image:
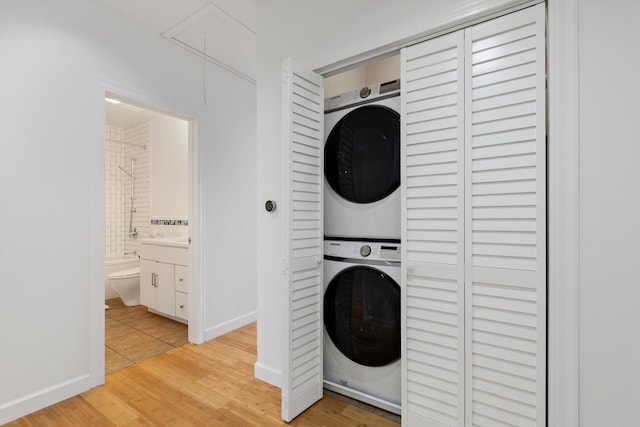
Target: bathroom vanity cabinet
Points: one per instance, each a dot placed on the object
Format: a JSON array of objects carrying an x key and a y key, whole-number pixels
[{"x": 164, "y": 277}]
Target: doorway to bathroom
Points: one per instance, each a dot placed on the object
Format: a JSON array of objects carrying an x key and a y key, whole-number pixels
[{"x": 146, "y": 232}]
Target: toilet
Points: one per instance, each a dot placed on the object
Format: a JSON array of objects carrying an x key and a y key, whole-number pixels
[{"x": 126, "y": 283}]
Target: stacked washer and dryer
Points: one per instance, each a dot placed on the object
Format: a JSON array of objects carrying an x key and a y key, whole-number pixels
[{"x": 362, "y": 245}]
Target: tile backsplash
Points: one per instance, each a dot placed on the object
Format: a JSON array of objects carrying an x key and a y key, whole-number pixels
[{"x": 169, "y": 222}]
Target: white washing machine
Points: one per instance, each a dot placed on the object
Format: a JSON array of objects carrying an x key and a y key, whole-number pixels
[
  {"x": 362, "y": 163},
  {"x": 362, "y": 321}
]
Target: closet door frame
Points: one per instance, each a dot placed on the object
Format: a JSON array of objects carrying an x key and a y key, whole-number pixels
[{"x": 563, "y": 191}]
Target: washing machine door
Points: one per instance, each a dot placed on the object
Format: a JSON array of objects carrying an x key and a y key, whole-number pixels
[
  {"x": 362, "y": 315},
  {"x": 362, "y": 154}
]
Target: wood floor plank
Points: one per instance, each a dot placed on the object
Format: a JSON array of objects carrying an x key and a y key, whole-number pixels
[
  {"x": 111, "y": 406},
  {"x": 206, "y": 385},
  {"x": 81, "y": 412}
]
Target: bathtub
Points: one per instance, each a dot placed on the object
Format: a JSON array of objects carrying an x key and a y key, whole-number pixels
[{"x": 115, "y": 263}]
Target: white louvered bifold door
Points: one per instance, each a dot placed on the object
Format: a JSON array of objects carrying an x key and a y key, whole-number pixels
[
  {"x": 474, "y": 225},
  {"x": 433, "y": 232},
  {"x": 505, "y": 220},
  {"x": 303, "y": 115}
]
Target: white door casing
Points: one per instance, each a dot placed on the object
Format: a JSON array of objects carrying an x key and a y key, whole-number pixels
[
  {"x": 474, "y": 227},
  {"x": 303, "y": 116}
]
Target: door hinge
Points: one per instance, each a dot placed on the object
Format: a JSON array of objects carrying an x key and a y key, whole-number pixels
[{"x": 285, "y": 266}]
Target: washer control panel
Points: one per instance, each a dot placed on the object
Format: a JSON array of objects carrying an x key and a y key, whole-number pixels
[{"x": 375, "y": 251}]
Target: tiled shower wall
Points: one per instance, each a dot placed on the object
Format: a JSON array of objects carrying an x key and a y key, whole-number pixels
[
  {"x": 113, "y": 202},
  {"x": 118, "y": 187}
]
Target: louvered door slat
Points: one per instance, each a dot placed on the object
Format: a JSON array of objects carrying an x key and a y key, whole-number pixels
[
  {"x": 505, "y": 221},
  {"x": 433, "y": 218},
  {"x": 303, "y": 127}
]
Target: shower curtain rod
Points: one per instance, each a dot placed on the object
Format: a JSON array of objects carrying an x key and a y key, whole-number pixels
[{"x": 144, "y": 147}]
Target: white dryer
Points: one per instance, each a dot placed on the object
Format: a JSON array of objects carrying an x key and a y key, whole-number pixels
[
  {"x": 362, "y": 321},
  {"x": 362, "y": 163}
]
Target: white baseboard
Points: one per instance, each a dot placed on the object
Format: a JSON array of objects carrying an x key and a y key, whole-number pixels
[
  {"x": 41, "y": 399},
  {"x": 230, "y": 325},
  {"x": 268, "y": 374}
]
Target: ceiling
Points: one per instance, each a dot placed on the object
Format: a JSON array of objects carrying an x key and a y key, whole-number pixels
[
  {"x": 125, "y": 115},
  {"x": 222, "y": 31}
]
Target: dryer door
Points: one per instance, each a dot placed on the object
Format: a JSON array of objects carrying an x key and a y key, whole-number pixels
[
  {"x": 362, "y": 315},
  {"x": 362, "y": 154}
]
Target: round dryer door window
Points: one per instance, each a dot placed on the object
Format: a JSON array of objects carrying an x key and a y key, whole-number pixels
[
  {"x": 362, "y": 316},
  {"x": 362, "y": 154}
]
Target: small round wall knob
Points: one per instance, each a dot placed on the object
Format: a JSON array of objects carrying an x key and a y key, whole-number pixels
[{"x": 270, "y": 206}]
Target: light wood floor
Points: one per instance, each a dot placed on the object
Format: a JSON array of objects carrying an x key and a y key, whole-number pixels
[{"x": 207, "y": 385}]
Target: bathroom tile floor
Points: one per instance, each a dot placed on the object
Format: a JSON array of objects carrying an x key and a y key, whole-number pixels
[{"x": 132, "y": 334}]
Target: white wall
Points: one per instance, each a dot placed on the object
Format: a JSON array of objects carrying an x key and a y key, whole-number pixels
[
  {"x": 374, "y": 72},
  {"x": 317, "y": 34},
  {"x": 384, "y": 70},
  {"x": 609, "y": 213},
  {"x": 230, "y": 208},
  {"x": 345, "y": 82},
  {"x": 169, "y": 168},
  {"x": 50, "y": 53}
]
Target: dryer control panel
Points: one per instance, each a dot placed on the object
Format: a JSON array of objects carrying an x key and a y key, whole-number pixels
[{"x": 370, "y": 250}]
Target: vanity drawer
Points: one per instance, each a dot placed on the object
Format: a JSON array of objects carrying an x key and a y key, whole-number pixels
[
  {"x": 182, "y": 279},
  {"x": 182, "y": 305}
]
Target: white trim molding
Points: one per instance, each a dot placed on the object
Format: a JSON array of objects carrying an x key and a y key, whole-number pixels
[
  {"x": 42, "y": 398},
  {"x": 268, "y": 374},
  {"x": 563, "y": 213},
  {"x": 230, "y": 325},
  {"x": 96, "y": 235},
  {"x": 466, "y": 15},
  {"x": 99, "y": 88},
  {"x": 190, "y": 21}
]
